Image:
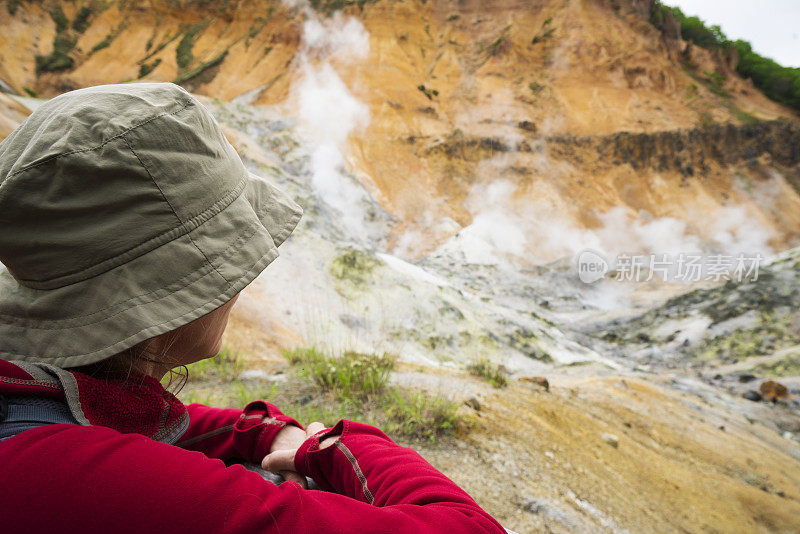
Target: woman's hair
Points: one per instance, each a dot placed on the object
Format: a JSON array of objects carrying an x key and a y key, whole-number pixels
[{"x": 122, "y": 365}]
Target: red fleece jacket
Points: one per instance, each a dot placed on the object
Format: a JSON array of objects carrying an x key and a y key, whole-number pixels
[{"x": 91, "y": 477}]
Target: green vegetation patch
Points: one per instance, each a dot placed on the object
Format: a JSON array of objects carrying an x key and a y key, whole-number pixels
[
  {"x": 352, "y": 375},
  {"x": 547, "y": 34},
  {"x": 109, "y": 38},
  {"x": 716, "y": 82},
  {"x": 779, "y": 83},
  {"x": 201, "y": 68},
  {"x": 147, "y": 68},
  {"x": 770, "y": 333},
  {"x": 105, "y": 43},
  {"x": 361, "y": 380},
  {"x": 536, "y": 87},
  {"x": 787, "y": 366},
  {"x": 320, "y": 387},
  {"x": 353, "y": 265},
  {"x": 329, "y": 7},
  {"x": 58, "y": 16},
  {"x": 167, "y": 40},
  {"x": 12, "y": 5},
  {"x": 81, "y": 22},
  {"x": 183, "y": 52},
  {"x": 525, "y": 341},
  {"x": 420, "y": 416},
  {"x": 63, "y": 43},
  {"x": 492, "y": 372},
  {"x": 430, "y": 93},
  {"x": 59, "y": 59}
]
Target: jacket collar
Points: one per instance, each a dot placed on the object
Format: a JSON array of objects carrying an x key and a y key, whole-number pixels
[{"x": 139, "y": 404}]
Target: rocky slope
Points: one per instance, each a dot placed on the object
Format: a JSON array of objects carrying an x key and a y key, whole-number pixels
[{"x": 433, "y": 94}]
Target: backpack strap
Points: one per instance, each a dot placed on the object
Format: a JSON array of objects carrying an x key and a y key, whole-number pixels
[{"x": 19, "y": 413}]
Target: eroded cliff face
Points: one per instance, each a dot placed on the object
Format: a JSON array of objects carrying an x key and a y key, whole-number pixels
[{"x": 581, "y": 106}]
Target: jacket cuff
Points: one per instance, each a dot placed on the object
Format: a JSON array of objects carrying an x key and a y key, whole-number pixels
[
  {"x": 324, "y": 466},
  {"x": 256, "y": 428}
]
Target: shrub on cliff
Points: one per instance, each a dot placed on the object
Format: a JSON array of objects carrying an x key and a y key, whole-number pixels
[{"x": 776, "y": 81}]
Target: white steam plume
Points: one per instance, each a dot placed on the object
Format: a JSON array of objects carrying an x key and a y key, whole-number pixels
[
  {"x": 506, "y": 228},
  {"x": 329, "y": 111}
]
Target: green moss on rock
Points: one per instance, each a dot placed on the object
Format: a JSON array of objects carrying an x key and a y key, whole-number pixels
[
  {"x": 353, "y": 265},
  {"x": 525, "y": 341},
  {"x": 147, "y": 68},
  {"x": 183, "y": 52}
]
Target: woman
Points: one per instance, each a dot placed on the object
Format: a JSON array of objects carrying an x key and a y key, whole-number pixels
[{"x": 129, "y": 227}]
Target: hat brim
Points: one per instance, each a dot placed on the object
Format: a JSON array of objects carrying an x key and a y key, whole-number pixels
[{"x": 159, "y": 291}]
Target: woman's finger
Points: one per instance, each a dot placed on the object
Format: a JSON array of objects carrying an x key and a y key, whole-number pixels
[
  {"x": 291, "y": 476},
  {"x": 282, "y": 460},
  {"x": 314, "y": 427}
]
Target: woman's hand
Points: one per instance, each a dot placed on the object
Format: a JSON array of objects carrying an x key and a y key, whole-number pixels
[
  {"x": 284, "y": 447},
  {"x": 290, "y": 437}
]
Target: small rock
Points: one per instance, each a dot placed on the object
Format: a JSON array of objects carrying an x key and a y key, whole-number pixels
[
  {"x": 533, "y": 506},
  {"x": 780, "y": 493},
  {"x": 305, "y": 399},
  {"x": 788, "y": 435},
  {"x": 473, "y": 403},
  {"x": 611, "y": 439},
  {"x": 549, "y": 455},
  {"x": 718, "y": 377},
  {"x": 751, "y": 395},
  {"x": 610, "y": 337},
  {"x": 538, "y": 380},
  {"x": 773, "y": 391},
  {"x": 254, "y": 374},
  {"x": 747, "y": 377},
  {"x": 722, "y": 427}
]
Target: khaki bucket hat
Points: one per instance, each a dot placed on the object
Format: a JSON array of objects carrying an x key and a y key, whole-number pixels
[{"x": 124, "y": 214}]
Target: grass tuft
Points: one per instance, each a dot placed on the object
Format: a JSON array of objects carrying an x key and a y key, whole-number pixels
[
  {"x": 536, "y": 87},
  {"x": 420, "y": 416},
  {"x": 492, "y": 372},
  {"x": 326, "y": 388},
  {"x": 353, "y": 375}
]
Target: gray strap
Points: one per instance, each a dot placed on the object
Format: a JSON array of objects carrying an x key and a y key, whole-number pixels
[
  {"x": 38, "y": 414},
  {"x": 24, "y": 413}
]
